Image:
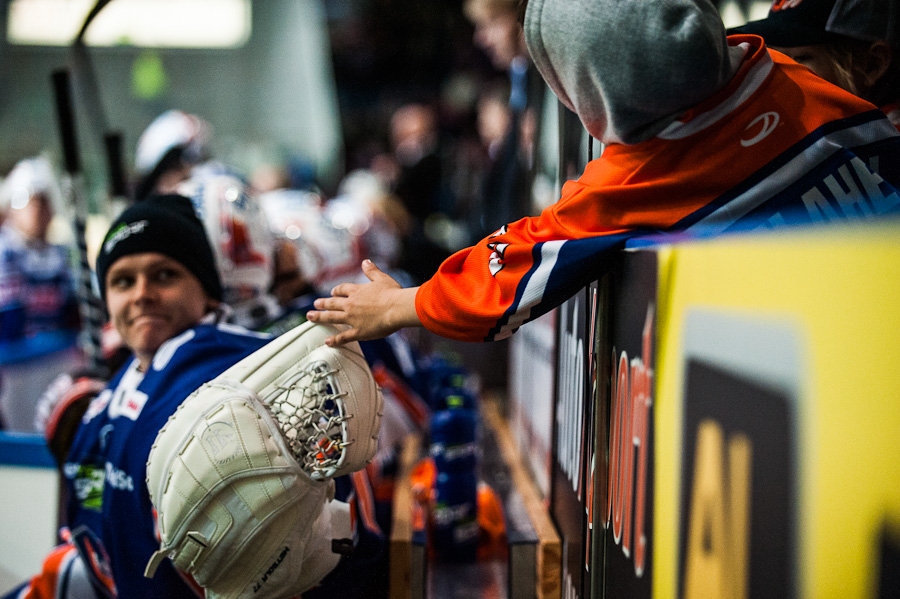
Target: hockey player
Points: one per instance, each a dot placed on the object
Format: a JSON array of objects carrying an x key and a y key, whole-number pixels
[
  {"x": 851, "y": 43},
  {"x": 39, "y": 318},
  {"x": 159, "y": 280},
  {"x": 167, "y": 151},
  {"x": 160, "y": 284},
  {"x": 704, "y": 134},
  {"x": 242, "y": 244}
]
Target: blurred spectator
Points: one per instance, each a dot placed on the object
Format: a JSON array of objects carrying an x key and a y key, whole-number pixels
[
  {"x": 414, "y": 139},
  {"x": 38, "y": 307},
  {"x": 413, "y": 172},
  {"x": 493, "y": 117},
  {"x": 497, "y": 30},
  {"x": 853, "y": 44},
  {"x": 424, "y": 153},
  {"x": 505, "y": 187}
]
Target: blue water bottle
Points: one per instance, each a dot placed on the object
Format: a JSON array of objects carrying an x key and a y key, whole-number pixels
[{"x": 455, "y": 516}]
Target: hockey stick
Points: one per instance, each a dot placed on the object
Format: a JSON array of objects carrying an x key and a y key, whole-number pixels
[
  {"x": 100, "y": 5},
  {"x": 88, "y": 92},
  {"x": 92, "y": 313}
]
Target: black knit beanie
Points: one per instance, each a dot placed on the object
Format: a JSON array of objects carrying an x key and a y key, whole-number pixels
[{"x": 165, "y": 224}]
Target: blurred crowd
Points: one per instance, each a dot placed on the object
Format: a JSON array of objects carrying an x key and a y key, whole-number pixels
[{"x": 443, "y": 171}]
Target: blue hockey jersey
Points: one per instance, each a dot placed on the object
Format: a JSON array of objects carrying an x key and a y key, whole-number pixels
[
  {"x": 108, "y": 505},
  {"x": 38, "y": 307}
]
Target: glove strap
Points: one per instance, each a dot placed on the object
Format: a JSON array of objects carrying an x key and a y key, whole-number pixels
[
  {"x": 155, "y": 560},
  {"x": 341, "y": 527},
  {"x": 189, "y": 553}
]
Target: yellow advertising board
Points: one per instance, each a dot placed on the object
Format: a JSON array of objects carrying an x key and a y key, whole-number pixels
[{"x": 777, "y": 438}]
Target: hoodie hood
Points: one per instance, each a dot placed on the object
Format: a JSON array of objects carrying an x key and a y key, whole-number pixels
[{"x": 628, "y": 68}]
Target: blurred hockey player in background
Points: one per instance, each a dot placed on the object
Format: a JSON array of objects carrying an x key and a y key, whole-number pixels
[
  {"x": 39, "y": 319},
  {"x": 168, "y": 150},
  {"x": 243, "y": 245}
]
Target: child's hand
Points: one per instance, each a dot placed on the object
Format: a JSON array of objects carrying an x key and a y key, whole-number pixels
[{"x": 372, "y": 310}]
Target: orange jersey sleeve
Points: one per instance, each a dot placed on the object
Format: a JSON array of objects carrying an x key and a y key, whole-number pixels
[{"x": 776, "y": 146}]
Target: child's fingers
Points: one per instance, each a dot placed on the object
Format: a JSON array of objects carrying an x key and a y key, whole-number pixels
[
  {"x": 375, "y": 274},
  {"x": 329, "y": 303},
  {"x": 370, "y": 270},
  {"x": 342, "y": 338},
  {"x": 343, "y": 289},
  {"x": 326, "y": 316}
]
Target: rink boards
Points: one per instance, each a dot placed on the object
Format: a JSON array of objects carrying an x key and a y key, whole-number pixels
[{"x": 726, "y": 420}]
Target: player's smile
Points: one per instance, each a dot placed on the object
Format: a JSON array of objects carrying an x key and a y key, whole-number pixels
[{"x": 148, "y": 319}]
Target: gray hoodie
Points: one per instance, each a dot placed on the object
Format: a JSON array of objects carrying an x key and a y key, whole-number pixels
[{"x": 628, "y": 68}]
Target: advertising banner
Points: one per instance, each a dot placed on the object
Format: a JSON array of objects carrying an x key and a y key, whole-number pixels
[
  {"x": 626, "y": 507},
  {"x": 532, "y": 367},
  {"x": 777, "y": 453},
  {"x": 738, "y": 512},
  {"x": 572, "y": 417}
]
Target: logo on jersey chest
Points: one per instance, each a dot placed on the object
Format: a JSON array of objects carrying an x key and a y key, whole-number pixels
[
  {"x": 128, "y": 403},
  {"x": 87, "y": 483}
]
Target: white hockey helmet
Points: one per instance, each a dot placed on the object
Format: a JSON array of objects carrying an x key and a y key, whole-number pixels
[
  {"x": 364, "y": 205},
  {"x": 169, "y": 130},
  {"x": 242, "y": 243},
  {"x": 329, "y": 249},
  {"x": 29, "y": 177}
]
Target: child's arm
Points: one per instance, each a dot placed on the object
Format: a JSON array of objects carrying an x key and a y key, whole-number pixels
[{"x": 372, "y": 310}]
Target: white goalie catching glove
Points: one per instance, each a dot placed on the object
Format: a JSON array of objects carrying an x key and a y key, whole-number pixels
[{"x": 240, "y": 475}]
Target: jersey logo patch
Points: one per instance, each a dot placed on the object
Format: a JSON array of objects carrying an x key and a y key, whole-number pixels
[
  {"x": 496, "y": 262},
  {"x": 769, "y": 122},
  {"x": 88, "y": 480},
  {"x": 127, "y": 404}
]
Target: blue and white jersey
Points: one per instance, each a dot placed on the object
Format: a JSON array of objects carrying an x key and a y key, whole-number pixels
[
  {"x": 38, "y": 305},
  {"x": 108, "y": 503}
]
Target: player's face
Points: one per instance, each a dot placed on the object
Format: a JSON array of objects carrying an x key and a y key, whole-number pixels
[
  {"x": 500, "y": 37},
  {"x": 32, "y": 219},
  {"x": 152, "y": 298}
]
